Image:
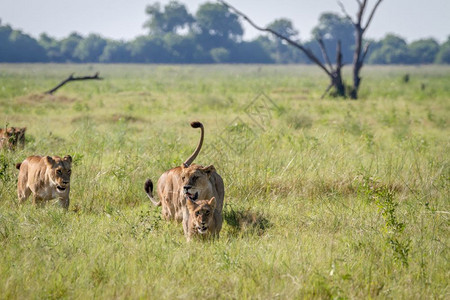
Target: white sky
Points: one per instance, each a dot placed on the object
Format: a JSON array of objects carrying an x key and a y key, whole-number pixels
[{"x": 123, "y": 19}]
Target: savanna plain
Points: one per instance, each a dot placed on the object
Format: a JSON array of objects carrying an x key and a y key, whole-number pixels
[{"x": 324, "y": 198}]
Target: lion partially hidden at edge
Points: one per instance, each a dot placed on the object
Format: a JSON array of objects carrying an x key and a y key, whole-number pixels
[
  {"x": 12, "y": 137},
  {"x": 190, "y": 182}
]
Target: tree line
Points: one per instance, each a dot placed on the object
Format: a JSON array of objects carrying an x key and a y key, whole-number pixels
[{"x": 213, "y": 35}]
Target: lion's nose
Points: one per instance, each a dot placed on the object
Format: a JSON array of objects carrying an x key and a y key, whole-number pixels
[
  {"x": 187, "y": 187},
  {"x": 66, "y": 182}
]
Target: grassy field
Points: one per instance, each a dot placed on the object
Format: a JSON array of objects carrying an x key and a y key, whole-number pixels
[{"x": 324, "y": 198}]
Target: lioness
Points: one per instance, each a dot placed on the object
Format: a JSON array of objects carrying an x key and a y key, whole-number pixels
[
  {"x": 11, "y": 137},
  {"x": 188, "y": 181},
  {"x": 202, "y": 218},
  {"x": 46, "y": 177}
]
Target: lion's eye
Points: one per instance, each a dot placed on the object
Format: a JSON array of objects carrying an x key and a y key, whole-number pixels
[
  {"x": 207, "y": 213},
  {"x": 182, "y": 177},
  {"x": 59, "y": 172},
  {"x": 194, "y": 178},
  {"x": 197, "y": 213}
]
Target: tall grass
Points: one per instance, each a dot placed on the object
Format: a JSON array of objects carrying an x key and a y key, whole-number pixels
[{"x": 324, "y": 198}]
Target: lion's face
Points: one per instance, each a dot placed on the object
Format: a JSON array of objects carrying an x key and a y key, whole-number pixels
[
  {"x": 201, "y": 214},
  {"x": 20, "y": 133},
  {"x": 7, "y": 134},
  {"x": 11, "y": 136},
  {"x": 195, "y": 181},
  {"x": 59, "y": 170}
]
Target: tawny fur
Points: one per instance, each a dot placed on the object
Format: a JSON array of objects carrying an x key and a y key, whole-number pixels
[
  {"x": 45, "y": 177},
  {"x": 12, "y": 137},
  {"x": 202, "y": 220},
  {"x": 188, "y": 180}
]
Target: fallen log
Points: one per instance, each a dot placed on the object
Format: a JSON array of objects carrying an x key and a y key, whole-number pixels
[{"x": 72, "y": 78}]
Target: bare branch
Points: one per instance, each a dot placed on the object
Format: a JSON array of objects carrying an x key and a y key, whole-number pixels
[
  {"x": 308, "y": 52},
  {"x": 362, "y": 7},
  {"x": 345, "y": 11},
  {"x": 371, "y": 15},
  {"x": 71, "y": 78},
  {"x": 327, "y": 90},
  {"x": 324, "y": 53},
  {"x": 338, "y": 56}
]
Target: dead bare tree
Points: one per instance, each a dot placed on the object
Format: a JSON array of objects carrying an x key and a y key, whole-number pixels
[
  {"x": 71, "y": 78},
  {"x": 359, "y": 53},
  {"x": 333, "y": 71}
]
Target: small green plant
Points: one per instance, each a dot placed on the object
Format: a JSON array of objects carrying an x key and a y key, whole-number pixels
[
  {"x": 77, "y": 159},
  {"x": 4, "y": 174},
  {"x": 149, "y": 221},
  {"x": 383, "y": 197}
]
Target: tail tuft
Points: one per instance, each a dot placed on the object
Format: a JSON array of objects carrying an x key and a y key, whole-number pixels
[
  {"x": 18, "y": 166},
  {"x": 196, "y": 124},
  {"x": 148, "y": 186}
]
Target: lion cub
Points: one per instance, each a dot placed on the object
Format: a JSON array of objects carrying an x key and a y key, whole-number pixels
[
  {"x": 47, "y": 177},
  {"x": 202, "y": 219}
]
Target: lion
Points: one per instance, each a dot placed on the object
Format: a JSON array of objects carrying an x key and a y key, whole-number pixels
[
  {"x": 11, "y": 137},
  {"x": 188, "y": 181},
  {"x": 202, "y": 220},
  {"x": 47, "y": 177}
]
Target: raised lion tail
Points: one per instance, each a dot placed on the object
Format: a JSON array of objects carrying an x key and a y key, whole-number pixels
[
  {"x": 195, "y": 124},
  {"x": 148, "y": 187}
]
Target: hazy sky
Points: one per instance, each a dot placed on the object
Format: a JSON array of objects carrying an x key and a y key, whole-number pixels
[{"x": 123, "y": 19}]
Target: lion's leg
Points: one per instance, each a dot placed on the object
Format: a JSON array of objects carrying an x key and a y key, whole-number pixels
[
  {"x": 38, "y": 201},
  {"x": 218, "y": 225},
  {"x": 189, "y": 238},
  {"x": 23, "y": 191},
  {"x": 186, "y": 221},
  {"x": 219, "y": 221},
  {"x": 23, "y": 194},
  {"x": 165, "y": 212},
  {"x": 64, "y": 202}
]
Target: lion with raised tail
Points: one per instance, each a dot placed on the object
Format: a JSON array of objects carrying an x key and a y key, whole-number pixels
[
  {"x": 189, "y": 182},
  {"x": 47, "y": 177}
]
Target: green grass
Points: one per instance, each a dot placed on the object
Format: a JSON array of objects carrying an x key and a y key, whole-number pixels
[{"x": 324, "y": 198}]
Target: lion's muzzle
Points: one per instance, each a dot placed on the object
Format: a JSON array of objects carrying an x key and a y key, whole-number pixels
[
  {"x": 188, "y": 194},
  {"x": 60, "y": 188},
  {"x": 202, "y": 229}
]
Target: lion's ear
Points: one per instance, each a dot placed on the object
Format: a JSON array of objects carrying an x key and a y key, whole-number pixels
[
  {"x": 209, "y": 170},
  {"x": 49, "y": 161},
  {"x": 68, "y": 161},
  {"x": 212, "y": 202},
  {"x": 191, "y": 205}
]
